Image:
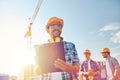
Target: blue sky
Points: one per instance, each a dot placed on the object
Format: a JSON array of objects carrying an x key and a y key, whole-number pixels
[{"x": 89, "y": 24}]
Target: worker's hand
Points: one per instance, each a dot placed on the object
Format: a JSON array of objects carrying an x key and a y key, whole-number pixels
[
  {"x": 80, "y": 77},
  {"x": 66, "y": 67},
  {"x": 91, "y": 73},
  {"x": 114, "y": 78},
  {"x": 116, "y": 75}
]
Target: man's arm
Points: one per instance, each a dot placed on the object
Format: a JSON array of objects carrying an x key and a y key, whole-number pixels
[
  {"x": 94, "y": 71},
  {"x": 66, "y": 67},
  {"x": 117, "y": 68}
]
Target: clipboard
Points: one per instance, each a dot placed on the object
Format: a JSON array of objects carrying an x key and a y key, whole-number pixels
[{"x": 47, "y": 53}]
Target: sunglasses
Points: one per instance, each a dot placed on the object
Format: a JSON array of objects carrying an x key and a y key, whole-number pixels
[
  {"x": 104, "y": 52},
  {"x": 55, "y": 26}
]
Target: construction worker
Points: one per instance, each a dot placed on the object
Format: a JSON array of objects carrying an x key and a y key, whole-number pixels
[
  {"x": 89, "y": 68},
  {"x": 70, "y": 68},
  {"x": 112, "y": 65}
]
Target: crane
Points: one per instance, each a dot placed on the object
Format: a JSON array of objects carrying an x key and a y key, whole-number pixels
[{"x": 28, "y": 32}]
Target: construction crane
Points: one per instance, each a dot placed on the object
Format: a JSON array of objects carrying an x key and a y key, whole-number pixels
[
  {"x": 28, "y": 72},
  {"x": 28, "y": 32}
]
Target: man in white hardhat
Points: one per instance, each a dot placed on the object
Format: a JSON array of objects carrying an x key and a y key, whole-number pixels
[{"x": 112, "y": 65}]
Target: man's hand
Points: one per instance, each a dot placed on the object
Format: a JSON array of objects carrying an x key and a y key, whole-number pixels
[
  {"x": 91, "y": 73},
  {"x": 66, "y": 67},
  {"x": 116, "y": 75},
  {"x": 114, "y": 78}
]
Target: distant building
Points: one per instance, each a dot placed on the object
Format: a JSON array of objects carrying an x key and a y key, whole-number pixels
[
  {"x": 27, "y": 73},
  {"x": 13, "y": 78},
  {"x": 4, "y": 77}
]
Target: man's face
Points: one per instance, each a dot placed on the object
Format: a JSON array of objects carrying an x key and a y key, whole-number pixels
[
  {"x": 87, "y": 56},
  {"x": 55, "y": 30},
  {"x": 104, "y": 54}
]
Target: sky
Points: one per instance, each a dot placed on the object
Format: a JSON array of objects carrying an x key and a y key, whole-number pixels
[{"x": 89, "y": 24}]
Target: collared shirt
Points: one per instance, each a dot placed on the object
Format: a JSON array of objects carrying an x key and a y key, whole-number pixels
[
  {"x": 71, "y": 57},
  {"x": 85, "y": 68},
  {"x": 114, "y": 65}
]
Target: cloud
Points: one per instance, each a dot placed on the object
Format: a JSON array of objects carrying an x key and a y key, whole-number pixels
[
  {"x": 116, "y": 37},
  {"x": 118, "y": 57},
  {"x": 111, "y": 27},
  {"x": 113, "y": 30}
]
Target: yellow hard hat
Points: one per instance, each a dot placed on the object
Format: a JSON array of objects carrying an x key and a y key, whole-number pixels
[
  {"x": 86, "y": 51},
  {"x": 105, "y": 50},
  {"x": 52, "y": 21}
]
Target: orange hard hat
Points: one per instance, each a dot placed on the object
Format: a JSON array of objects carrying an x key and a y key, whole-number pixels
[
  {"x": 54, "y": 21},
  {"x": 105, "y": 50},
  {"x": 86, "y": 51}
]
